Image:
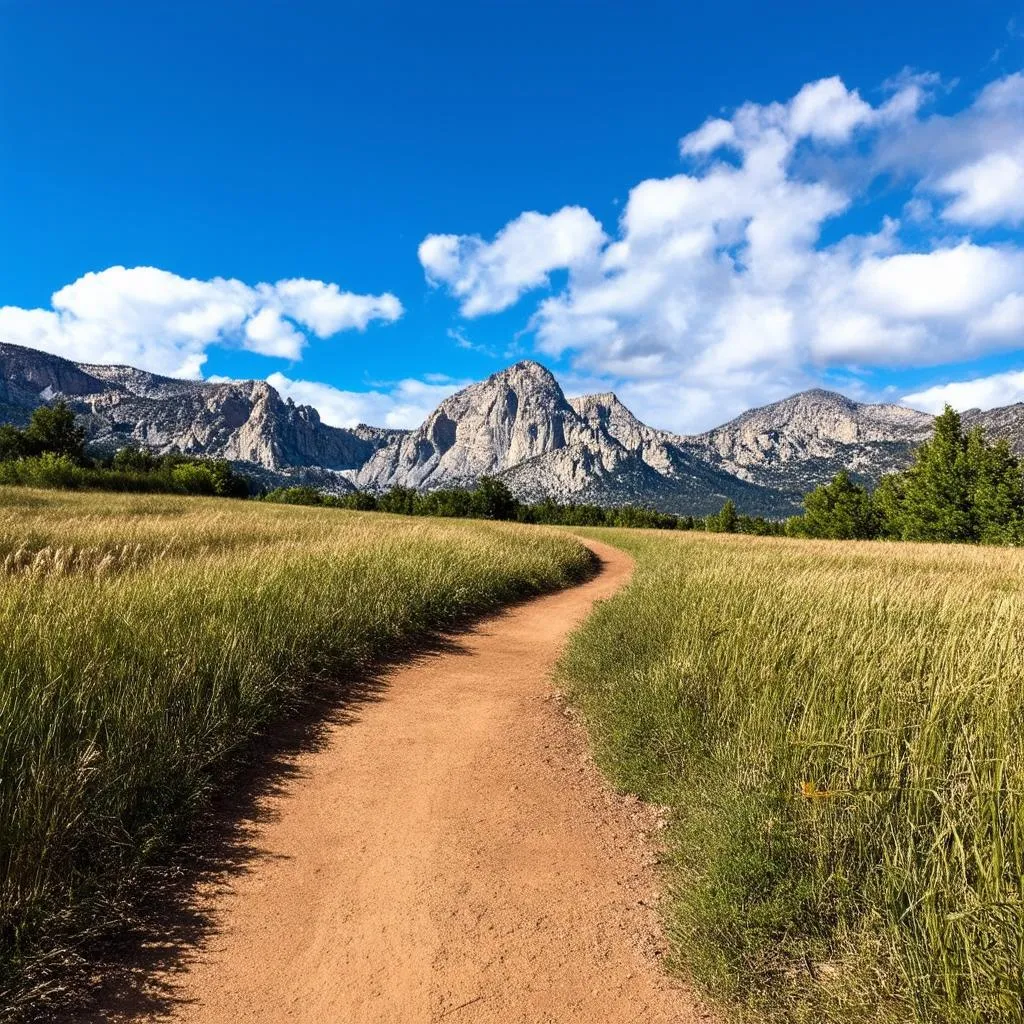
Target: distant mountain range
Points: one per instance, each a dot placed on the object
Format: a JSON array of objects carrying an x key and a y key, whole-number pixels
[{"x": 517, "y": 425}]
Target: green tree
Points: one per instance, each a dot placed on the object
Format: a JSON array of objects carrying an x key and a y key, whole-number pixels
[
  {"x": 298, "y": 495},
  {"x": 131, "y": 459},
  {"x": 997, "y": 491},
  {"x": 360, "y": 501},
  {"x": 727, "y": 517},
  {"x": 493, "y": 500},
  {"x": 12, "y": 443},
  {"x": 53, "y": 429},
  {"x": 838, "y": 510},
  {"x": 937, "y": 499},
  {"x": 399, "y": 500},
  {"x": 888, "y": 505}
]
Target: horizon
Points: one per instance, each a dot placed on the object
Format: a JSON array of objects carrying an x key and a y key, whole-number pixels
[
  {"x": 570, "y": 396},
  {"x": 703, "y": 212}
]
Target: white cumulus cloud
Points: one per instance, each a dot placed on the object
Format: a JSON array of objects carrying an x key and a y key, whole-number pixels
[
  {"x": 406, "y": 403},
  {"x": 156, "y": 320},
  {"x": 736, "y": 280},
  {"x": 490, "y": 276},
  {"x": 980, "y": 393}
]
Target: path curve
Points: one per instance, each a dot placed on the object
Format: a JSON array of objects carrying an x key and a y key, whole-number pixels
[{"x": 453, "y": 855}]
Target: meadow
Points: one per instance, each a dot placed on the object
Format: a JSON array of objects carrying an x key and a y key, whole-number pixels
[
  {"x": 145, "y": 639},
  {"x": 836, "y": 729}
]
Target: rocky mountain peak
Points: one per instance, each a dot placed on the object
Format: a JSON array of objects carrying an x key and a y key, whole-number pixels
[
  {"x": 775, "y": 443},
  {"x": 517, "y": 424},
  {"x": 512, "y": 416}
]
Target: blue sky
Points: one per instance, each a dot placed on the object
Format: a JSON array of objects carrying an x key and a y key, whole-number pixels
[{"x": 369, "y": 204}]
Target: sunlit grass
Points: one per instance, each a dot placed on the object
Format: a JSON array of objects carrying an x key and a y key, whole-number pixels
[
  {"x": 838, "y": 729},
  {"x": 142, "y": 638}
]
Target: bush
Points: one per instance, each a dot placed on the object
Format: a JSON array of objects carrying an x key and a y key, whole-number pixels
[
  {"x": 295, "y": 496},
  {"x": 46, "y": 470},
  {"x": 190, "y": 478}
]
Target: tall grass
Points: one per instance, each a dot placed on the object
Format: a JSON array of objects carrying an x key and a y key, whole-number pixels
[
  {"x": 838, "y": 730},
  {"x": 144, "y": 638}
]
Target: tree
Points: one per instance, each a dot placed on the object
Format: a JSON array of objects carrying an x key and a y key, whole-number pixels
[
  {"x": 937, "y": 500},
  {"x": 298, "y": 495},
  {"x": 12, "y": 443},
  {"x": 997, "y": 490},
  {"x": 360, "y": 501},
  {"x": 399, "y": 500},
  {"x": 53, "y": 429},
  {"x": 133, "y": 460},
  {"x": 727, "y": 518},
  {"x": 888, "y": 505},
  {"x": 493, "y": 500},
  {"x": 839, "y": 510}
]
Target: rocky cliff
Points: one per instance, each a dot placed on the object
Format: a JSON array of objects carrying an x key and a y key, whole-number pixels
[
  {"x": 797, "y": 443},
  {"x": 246, "y": 422},
  {"x": 517, "y": 425}
]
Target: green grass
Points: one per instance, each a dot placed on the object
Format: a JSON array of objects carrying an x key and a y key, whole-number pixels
[
  {"x": 143, "y": 639},
  {"x": 837, "y": 729}
]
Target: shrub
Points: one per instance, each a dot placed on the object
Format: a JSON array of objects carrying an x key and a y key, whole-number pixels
[{"x": 190, "y": 478}]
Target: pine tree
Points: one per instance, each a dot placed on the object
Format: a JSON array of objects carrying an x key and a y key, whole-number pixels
[
  {"x": 839, "y": 510},
  {"x": 997, "y": 491},
  {"x": 937, "y": 501},
  {"x": 727, "y": 517}
]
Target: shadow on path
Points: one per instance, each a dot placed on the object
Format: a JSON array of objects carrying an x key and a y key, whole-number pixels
[{"x": 170, "y": 914}]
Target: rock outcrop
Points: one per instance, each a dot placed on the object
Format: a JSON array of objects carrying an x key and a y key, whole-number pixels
[
  {"x": 246, "y": 422},
  {"x": 517, "y": 425},
  {"x": 797, "y": 443}
]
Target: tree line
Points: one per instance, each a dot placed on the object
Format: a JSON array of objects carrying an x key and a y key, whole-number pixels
[
  {"x": 491, "y": 499},
  {"x": 50, "y": 452},
  {"x": 959, "y": 488}
]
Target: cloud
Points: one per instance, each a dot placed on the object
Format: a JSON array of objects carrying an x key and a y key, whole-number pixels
[
  {"x": 711, "y": 135},
  {"x": 156, "y": 320},
  {"x": 406, "y": 403},
  {"x": 971, "y": 162},
  {"x": 827, "y": 111},
  {"x": 490, "y": 276},
  {"x": 987, "y": 191},
  {"x": 980, "y": 393},
  {"x": 461, "y": 341},
  {"x": 738, "y": 279}
]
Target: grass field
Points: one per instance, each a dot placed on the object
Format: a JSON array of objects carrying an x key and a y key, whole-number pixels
[
  {"x": 142, "y": 639},
  {"x": 837, "y": 728}
]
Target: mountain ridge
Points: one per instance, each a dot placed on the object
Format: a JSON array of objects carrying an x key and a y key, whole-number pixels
[{"x": 517, "y": 425}]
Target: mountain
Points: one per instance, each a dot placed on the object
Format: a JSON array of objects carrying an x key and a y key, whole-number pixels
[
  {"x": 1006, "y": 422},
  {"x": 795, "y": 444},
  {"x": 517, "y": 425},
  {"x": 245, "y": 422}
]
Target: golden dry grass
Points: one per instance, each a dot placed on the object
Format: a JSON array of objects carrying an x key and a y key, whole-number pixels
[
  {"x": 838, "y": 727},
  {"x": 143, "y": 638}
]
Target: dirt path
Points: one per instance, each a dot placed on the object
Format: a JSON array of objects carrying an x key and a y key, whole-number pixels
[{"x": 452, "y": 855}]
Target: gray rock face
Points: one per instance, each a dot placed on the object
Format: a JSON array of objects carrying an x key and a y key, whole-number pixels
[
  {"x": 519, "y": 426},
  {"x": 245, "y": 422},
  {"x": 797, "y": 443},
  {"x": 489, "y": 427},
  {"x": 516, "y": 425},
  {"x": 1006, "y": 422}
]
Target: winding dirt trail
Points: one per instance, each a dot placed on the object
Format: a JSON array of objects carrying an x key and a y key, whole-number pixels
[{"x": 451, "y": 855}]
